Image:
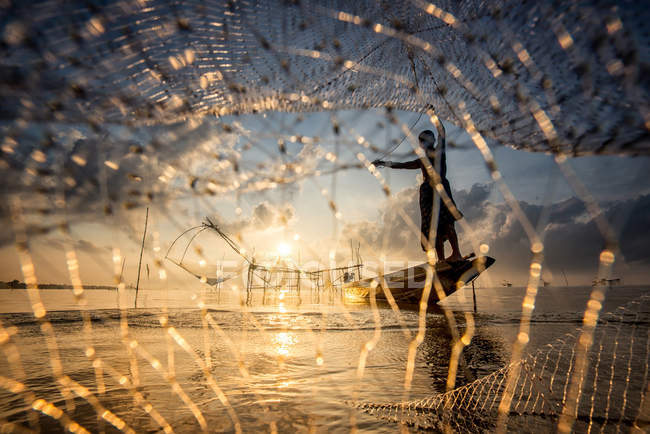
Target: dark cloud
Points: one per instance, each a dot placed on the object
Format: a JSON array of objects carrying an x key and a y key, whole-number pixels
[
  {"x": 567, "y": 211},
  {"x": 471, "y": 201},
  {"x": 635, "y": 233},
  {"x": 87, "y": 246},
  {"x": 263, "y": 215},
  {"x": 572, "y": 239}
]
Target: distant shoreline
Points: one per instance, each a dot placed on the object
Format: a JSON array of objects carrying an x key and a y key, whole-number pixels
[{"x": 21, "y": 285}]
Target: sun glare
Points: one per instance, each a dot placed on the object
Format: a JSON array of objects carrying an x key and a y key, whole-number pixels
[{"x": 284, "y": 249}]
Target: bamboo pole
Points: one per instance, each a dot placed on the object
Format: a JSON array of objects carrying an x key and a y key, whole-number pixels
[
  {"x": 144, "y": 235},
  {"x": 474, "y": 296}
]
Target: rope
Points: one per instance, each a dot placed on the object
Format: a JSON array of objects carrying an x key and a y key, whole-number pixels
[
  {"x": 190, "y": 242},
  {"x": 177, "y": 238},
  {"x": 417, "y": 87},
  {"x": 412, "y": 57},
  {"x": 227, "y": 239},
  {"x": 405, "y": 135}
]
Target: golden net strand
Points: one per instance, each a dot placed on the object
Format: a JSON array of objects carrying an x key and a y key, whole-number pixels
[
  {"x": 414, "y": 229},
  {"x": 84, "y": 393},
  {"x": 611, "y": 392},
  {"x": 97, "y": 362},
  {"x": 12, "y": 354},
  {"x": 241, "y": 363},
  {"x": 536, "y": 247},
  {"x": 409, "y": 40},
  {"x": 42, "y": 406},
  {"x": 174, "y": 385},
  {"x": 117, "y": 269},
  {"x": 628, "y": 369},
  {"x": 211, "y": 382},
  {"x": 458, "y": 343},
  {"x": 595, "y": 384},
  {"x": 644, "y": 406},
  {"x": 597, "y": 296},
  {"x": 73, "y": 267},
  {"x": 451, "y": 320},
  {"x": 137, "y": 396},
  {"x": 38, "y": 308},
  {"x": 370, "y": 344},
  {"x": 12, "y": 427}
]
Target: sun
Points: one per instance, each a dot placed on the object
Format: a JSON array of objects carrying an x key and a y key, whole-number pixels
[{"x": 284, "y": 249}]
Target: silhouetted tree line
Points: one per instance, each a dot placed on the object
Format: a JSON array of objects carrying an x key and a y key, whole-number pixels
[{"x": 16, "y": 284}]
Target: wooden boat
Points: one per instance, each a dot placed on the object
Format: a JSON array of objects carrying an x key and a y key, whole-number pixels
[{"x": 407, "y": 285}]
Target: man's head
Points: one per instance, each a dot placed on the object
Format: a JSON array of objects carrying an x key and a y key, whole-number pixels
[{"x": 427, "y": 139}]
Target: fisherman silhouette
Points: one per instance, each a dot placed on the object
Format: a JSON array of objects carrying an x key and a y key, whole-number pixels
[{"x": 446, "y": 230}]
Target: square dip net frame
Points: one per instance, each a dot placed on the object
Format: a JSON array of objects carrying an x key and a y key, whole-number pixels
[{"x": 279, "y": 276}]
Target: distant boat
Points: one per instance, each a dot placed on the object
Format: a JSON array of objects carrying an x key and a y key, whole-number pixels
[
  {"x": 506, "y": 284},
  {"x": 565, "y": 279},
  {"x": 606, "y": 282}
]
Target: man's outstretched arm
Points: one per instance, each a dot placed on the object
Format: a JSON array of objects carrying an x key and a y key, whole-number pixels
[{"x": 413, "y": 164}]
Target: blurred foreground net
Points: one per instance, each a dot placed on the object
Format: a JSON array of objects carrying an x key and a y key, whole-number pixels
[
  {"x": 111, "y": 106},
  {"x": 97, "y": 94},
  {"x": 613, "y": 386}
]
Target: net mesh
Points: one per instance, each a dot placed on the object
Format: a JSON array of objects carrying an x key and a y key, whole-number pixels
[
  {"x": 541, "y": 385},
  {"x": 109, "y": 107}
]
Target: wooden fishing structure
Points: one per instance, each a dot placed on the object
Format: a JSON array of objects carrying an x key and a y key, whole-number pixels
[{"x": 269, "y": 278}]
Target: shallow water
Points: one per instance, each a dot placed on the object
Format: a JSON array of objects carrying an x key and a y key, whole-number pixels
[{"x": 281, "y": 360}]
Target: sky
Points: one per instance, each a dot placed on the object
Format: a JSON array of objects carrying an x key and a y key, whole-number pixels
[{"x": 300, "y": 216}]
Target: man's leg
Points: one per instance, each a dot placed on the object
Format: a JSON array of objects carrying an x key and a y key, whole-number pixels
[
  {"x": 425, "y": 221},
  {"x": 440, "y": 247},
  {"x": 453, "y": 240},
  {"x": 424, "y": 242}
]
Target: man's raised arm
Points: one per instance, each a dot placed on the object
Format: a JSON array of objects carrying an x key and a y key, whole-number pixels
[
  {"x": 441, "y": 134},
  {"x": 413, "y": 164}
]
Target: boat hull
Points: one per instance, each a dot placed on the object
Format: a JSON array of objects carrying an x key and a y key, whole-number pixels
[{"x": 408, "y": 285}]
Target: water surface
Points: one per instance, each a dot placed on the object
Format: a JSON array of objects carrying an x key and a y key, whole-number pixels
[{"x": 282, "y": 361}]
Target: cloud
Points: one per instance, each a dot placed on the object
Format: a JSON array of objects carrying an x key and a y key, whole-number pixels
[
  {"x": 571, "y": 236},
  {"x": 634, "y": 237},
  {"x": 572, "y": 239},
  {"x": 391, "y": 233},
  {"x": 471, "y": 201},
  {"x": 567, "y": 211},
  {"x": 265, "y": 216},
  {"x": 87, "y": 246}
]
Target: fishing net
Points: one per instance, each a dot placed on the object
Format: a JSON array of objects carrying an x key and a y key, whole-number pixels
[
  {"x": 538, "y": 388},
  {"x": 227, "y": 109}
]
